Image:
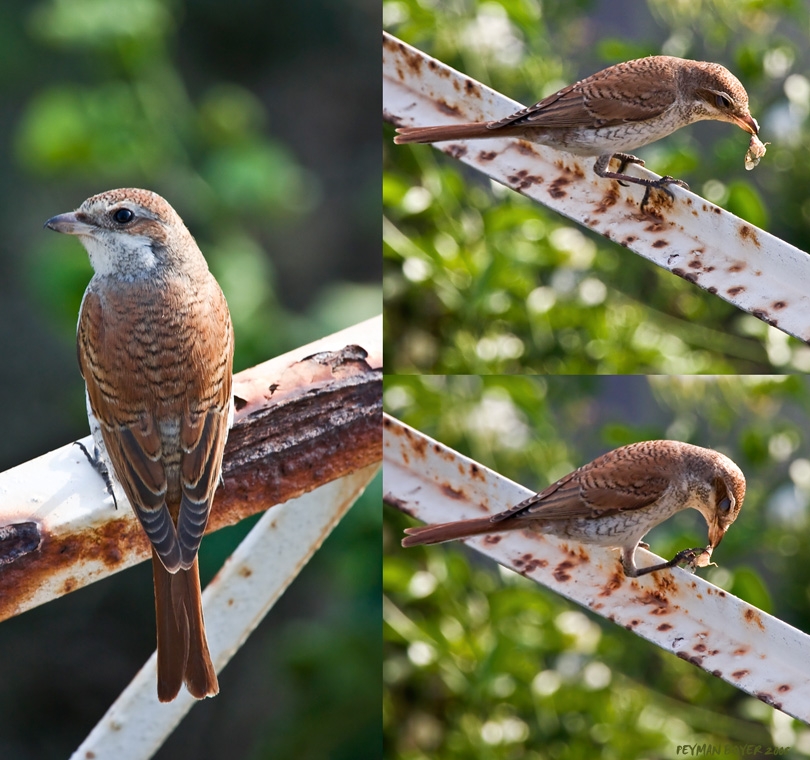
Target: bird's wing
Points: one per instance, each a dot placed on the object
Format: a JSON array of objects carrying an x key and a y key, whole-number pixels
[
  {"x": 203, "y": 436},
  {"x": 566, "y": 108},
  {"x": 642, "y": 95},
  {"x": 204, "y": 428},
  {"x": 132, "y": 440},
  {"x": 595, "y": 490}
]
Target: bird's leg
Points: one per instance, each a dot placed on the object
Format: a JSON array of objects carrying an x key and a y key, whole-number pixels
[
  {"x": 98, "y": 464},
  {"x": 603, "y": 162},
  {"x": 688, "y": 557}
]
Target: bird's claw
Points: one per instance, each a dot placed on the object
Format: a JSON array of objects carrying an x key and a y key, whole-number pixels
[
  {"x": 691, "y": 559},
  {"x": 627, "y": 158},
  {"x": 661, "y": 184},
  {"x": 97, "y": 463},
  {"x": 624, "y": 159},
  {"x": 667, "y": 180}
]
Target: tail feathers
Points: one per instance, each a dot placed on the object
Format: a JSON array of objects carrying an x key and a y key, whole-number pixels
[
  {"x": 200, "y": 676},
  {"x": 446, "y": 132},
  {"x": 182, "y": 648},
  {"x": 452, "y": 531}
]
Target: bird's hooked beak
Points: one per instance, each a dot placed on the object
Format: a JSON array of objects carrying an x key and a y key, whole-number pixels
[
  {"x": 69, "y": 224},
  {"x": 716, "y": 533},
  {"x": 748, "y": 123}
]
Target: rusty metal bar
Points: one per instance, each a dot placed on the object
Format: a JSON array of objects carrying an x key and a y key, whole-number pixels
[
  {"x": 675, "y": 610},
  {"x": 690, "y": 236},
  {"x": 303, "y": 420}
]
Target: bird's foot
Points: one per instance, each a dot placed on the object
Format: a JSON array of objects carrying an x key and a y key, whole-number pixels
[
  {"x": 662, "y": 183},
  {"x": 98, "y": 464},
  {"x": 624, "y": 159},
  {"x": 691, "y": 559}
]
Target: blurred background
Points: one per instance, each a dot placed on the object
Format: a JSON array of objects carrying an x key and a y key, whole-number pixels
[
  {"x": 481, "y": 662},
  {"x": 478, "y": 279},
  {"x": 254, "y": 121}
]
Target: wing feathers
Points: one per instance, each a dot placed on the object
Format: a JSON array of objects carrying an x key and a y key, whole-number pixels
[
  {"x": 159, "y": 527},
  {"x": 146, "y": 472},
  {"x": 595, "y": 490},
  {"x": 621, "y": 94},
  {"x": 200, "y": 471}
]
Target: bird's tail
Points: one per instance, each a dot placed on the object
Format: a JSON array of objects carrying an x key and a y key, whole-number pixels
[
  {"x": 182, "y": 648},
  {"x": 446, "y": 132},
  {"x": 437, "y": 534}
]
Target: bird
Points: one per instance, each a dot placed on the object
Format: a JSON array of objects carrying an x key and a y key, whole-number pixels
[
  {"x": 615, "y": 111},
  {"x": 155, "y": 348},
  {"x": 616, "y": 499}
]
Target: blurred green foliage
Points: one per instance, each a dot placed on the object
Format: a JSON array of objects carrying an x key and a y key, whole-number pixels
[
  {"x": 481, "y": 662},
  {"x": 132, "y": 118},
  {"x": 478, "y": 279}
]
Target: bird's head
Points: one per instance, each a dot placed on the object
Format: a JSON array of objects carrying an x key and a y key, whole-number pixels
[
  {"x": 129, "y": 233},
  {"x": 722, "y": 501},
  {"x": 717, "y": 94}
]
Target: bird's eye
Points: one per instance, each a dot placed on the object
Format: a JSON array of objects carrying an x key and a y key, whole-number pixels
[
  {"x": 721, "y": 101},
  {"x": 123, "y": 216},
  {"x": 724, "y": 505}
]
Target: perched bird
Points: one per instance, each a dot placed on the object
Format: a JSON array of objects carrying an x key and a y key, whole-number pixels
[
  {"x": 615, "y": 111},
  {"x": 155, "y": 346},
  {"x": 617, "y": 498}
]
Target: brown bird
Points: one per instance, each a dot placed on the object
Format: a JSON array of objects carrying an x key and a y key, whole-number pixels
[
  {"x": 615, "y": 111},
  {"x": 155, "y": 346},
  {"x": 617, "y": 498}
]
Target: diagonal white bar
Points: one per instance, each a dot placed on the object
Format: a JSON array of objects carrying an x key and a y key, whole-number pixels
[
  {"x": 235, "y": 602},
  {"x": 679, "y": 612},
  {"x": 690, "y": 237}
]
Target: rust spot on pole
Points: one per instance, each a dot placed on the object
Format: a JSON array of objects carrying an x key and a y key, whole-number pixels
[
  {"x": 752, "y": 616},
  {"x": 748, "y": 233},
  {"x": 109, "y": 544},
  {"x": 453, "y": 493},
  {"x": 561, "y": 573}
]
